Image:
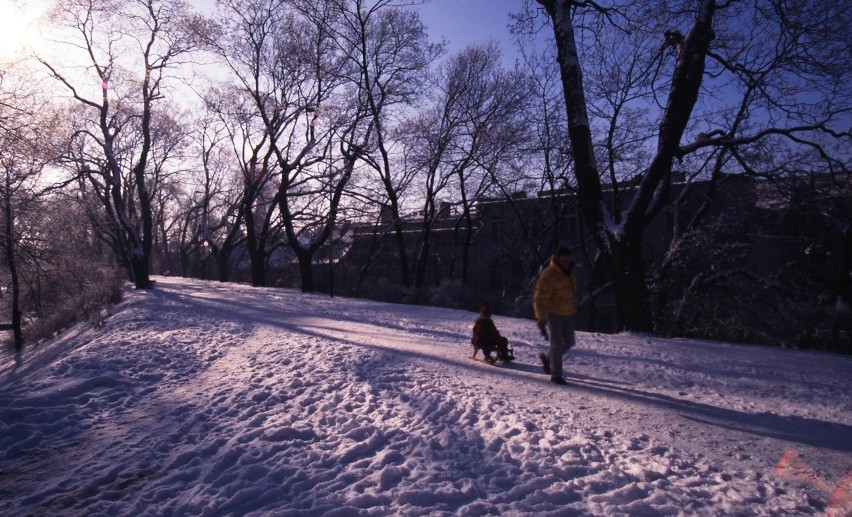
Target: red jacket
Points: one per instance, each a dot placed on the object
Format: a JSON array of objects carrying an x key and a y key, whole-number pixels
[{"x": 485, "y": 332}]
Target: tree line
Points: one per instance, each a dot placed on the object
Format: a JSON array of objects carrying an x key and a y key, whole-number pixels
[{"x": 155, "y": 134}]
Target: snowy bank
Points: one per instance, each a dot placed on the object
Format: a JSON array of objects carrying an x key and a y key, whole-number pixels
[{"x": 221, "y": 399}]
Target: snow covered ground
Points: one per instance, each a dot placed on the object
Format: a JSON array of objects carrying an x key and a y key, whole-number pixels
[{"x": 221, "y": 399}]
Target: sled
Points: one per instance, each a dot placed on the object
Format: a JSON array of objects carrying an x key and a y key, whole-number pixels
[{"x": 492, "y": 354}]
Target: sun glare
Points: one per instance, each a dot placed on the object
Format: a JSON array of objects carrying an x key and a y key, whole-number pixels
[{"x": 18, "y": 27}]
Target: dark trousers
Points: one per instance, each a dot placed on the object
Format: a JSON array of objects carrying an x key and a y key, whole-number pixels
[{"x": 561, "y": 340}]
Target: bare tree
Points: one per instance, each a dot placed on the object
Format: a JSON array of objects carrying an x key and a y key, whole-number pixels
[
  {"x": 286, "y": 63},
  {"x": 783, "y": 71},
  {"x": 23, "y": 157},
  {"x": 55, "y": 271},
  {"x": 170, "y": 166},
  {"x": 248, "y": 144},
  {"x": 214, "y": 210},
  {"x": 458, "y": 144},
  {"x": 544, "y": 166},
  {"x": 391, "y": 55},
  {"x": 128, "y": 48}
]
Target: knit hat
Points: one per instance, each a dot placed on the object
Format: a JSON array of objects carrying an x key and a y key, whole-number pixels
[
  {"x": 563, "y": 251},
  {"x": 485, "y": 310}
]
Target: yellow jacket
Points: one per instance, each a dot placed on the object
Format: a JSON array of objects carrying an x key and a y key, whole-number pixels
[{"x": 555, "y": 292}]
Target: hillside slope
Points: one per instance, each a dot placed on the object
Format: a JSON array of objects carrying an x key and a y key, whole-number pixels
[{"x": 221, "y": 399}]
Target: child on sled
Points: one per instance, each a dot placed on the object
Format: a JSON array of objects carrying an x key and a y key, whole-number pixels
[{"x": 488, "y": 339}]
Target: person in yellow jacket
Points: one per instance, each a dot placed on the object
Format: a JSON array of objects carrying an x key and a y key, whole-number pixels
[{"x": 554, "y": 303}]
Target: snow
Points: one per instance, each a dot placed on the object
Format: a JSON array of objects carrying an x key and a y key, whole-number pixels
[{"x": 221, "y": 399}]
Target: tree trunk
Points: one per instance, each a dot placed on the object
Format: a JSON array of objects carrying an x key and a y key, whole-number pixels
[
  {"x": 222, "y": 266},
  {"x": 143, "y": 260},
  {"x": 306, "y": 269},
  {"x": 466, "y": 245},
  {"x": 400, "y": 243},
  {"x": 257, "y": 256},
  {"x": 141, "y": 273},
  {"x": 13, "y": 271},
  {"x": 630, "y": 287},
  {"x": 620, "y": 236},
  {"x": 258, "y": 269},
  {"x": 426, "y": 234},
  {"x": 844, "y": 274},
  {"x": 422, "y": 260}
]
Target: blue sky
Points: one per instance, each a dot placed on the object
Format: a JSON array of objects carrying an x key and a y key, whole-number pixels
[{"x": 462, "y": 22}]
